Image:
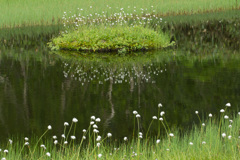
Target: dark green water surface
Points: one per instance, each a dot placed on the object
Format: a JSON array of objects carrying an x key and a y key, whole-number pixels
[{"x": 39, "y": 87}]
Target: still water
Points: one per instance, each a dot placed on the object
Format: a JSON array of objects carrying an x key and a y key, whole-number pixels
[{"x": 38, "y": 88}]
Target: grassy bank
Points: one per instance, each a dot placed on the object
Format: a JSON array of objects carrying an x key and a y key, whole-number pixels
[
  {"x": 213, "y": 138},
  {"x": 37, "y": 12}
]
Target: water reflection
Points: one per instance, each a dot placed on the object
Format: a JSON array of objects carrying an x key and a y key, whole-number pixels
[{"x": 41, "y": 89}]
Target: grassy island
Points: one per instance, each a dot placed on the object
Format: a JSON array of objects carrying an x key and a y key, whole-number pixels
[
  {"x": 122, "y": 32},
  {"x": 121, "y": 39}
]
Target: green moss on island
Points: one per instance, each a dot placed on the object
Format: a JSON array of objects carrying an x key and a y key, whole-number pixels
[{"x": 120, "y": 39}]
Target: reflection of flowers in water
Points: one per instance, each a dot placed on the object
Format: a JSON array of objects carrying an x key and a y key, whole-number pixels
[{"x": 100, "y": 74}]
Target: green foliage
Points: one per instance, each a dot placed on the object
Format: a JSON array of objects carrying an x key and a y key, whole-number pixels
[{"x": 118, "y": 38}]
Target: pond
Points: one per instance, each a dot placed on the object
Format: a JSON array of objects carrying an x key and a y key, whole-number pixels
[{"x": 39, "y": 87}]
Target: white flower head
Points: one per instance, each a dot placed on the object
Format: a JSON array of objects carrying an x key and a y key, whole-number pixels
[
  {"x": 54, "y": 137},
  {"x": 98, "y": 144},
  {"x": 26, "y": 143},
  {"x": 43, "y": 146},
  {"x": 196, "y": 112},
  {"x": 55, "y": 142},
  {"x": 222, "y": 110},
  {"x": 223, "y": 135},
  {"x": 191, "y": 143},
  {"x": 109, "y": 134},
  {"x": 73, "y": 137},
  {"x": 228, "y": 105},
  {"x": 99, "y": 155},
  {"x": 5, "y": 151},
  {"x": 49, "y": 127},
  {"x": 231, "y": 121},
  {"x": 65, "y": 142},
  {"x": 92, "y": 122},
  {"x": 3, "y": 158},
  {"x": 75, "y": 120},
  {"x": 203, "y": 124},
  {"x": 162, "y": 113},
  {"x": 160, "y": 105},
  {"x": 84, "y": 130},
  {"x": 125, "y": 138},
  {"x": 63, "y": 136},
  {"x": 238, "y": 113},
  {"x": 160, "y": 119},
  {"x": 95, "y": 131},
  {"x": 66, "y": 124},
  {"x": 98, "y": 119},
  {"x": 210, "y": 115},
  {"x": 138, "y": 116},
  {"x": 95, "y": 126},
  {"x": 93, "y": 117},
  {"x": 48, "y": 154},
  {"x": 84, "y": 137},
  {"x": 10, "y": 141},
  {"x": 98, "y": 138},
  {"x": 203, "y": 142},
  {"x": 140, "y": 137},
  {"x": 135, "y": 112},
  {"x": 158, "y": 141},
  {"x": 171, "y": 134},
  {"x": 154, "y": 117},
  {"x": 26, "y": 138},
  {"x": 229, "y": 137},
  {"x": 226, "y": 117}
]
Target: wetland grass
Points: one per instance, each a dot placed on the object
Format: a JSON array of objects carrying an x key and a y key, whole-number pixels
[
  {"x": 216, "y": 137},
  {"x": 43, "y": 12}
]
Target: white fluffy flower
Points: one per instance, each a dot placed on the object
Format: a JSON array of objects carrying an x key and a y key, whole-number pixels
[
  {"x": 84, "y": 130},
  {"x": 43, "y": 146},
  {"x": 84, "y": 137},
  {"x": 63, "y": 136},
  {"x": 73, "y": 137},
  {"x": 210, "y": 115},
  {"x": 162, "y": 113},
  {"x": 95, "y": 126},
  {"x": 98, "y": 138},
  {"x": 65, "y": 142},
  {"x": 224, "y": 135},
  {"x": 91, "y": 123},
  {"x": 154, "y": 117},
  {"x": 222, "y": 110},
  {"x": 171, "y": 134},
  {"x": 10, "y": 141},
  {"x": 26, "y": 138},
  {"x": 98, "y": 119},
  {"x": 158, "y": 141},
  {"x": 191, "y": 143},
  {"x": 54, "y": 137},
  {"x": 26, "y": 143},
  {"x": 5, "y": 151},
  {"x": 138, "y": 116},
  {"x": 196, "y": 112},
  {"x": 93, "y": 117},
  {"x": 203, "y": 124},
  {"x": 109, "y": 134},
  {"x": 49, "y": 127},
  {"x": 226, "y": 117},
  {"x": 96, "y": 131},
  {"x": 98, "y": 144},
  {"x": 125, "y": 138},
  {"x": 160, "y": 119},
  {"x": 160, "y": 105},
  {"x": 229, "y": 137},
  {"x": 228, "y": 105},
  {"x": 75, "y": 120},
  {"x": 99, "y": 155},
  {"x": 135, "y": 112},
  {"x": 66, "y": 124},
  {"x": 48, "y": 154},
  {"x": 55, "y": 142},
  {"x": 203, "y": 142}
]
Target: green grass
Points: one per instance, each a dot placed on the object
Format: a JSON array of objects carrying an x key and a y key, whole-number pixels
[
  {"x": 106, "y": 39},
  {"x": 36, "y": 12},
  {"x": 200, "y": 142}
]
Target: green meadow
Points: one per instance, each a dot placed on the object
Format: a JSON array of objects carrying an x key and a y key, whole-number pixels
[
  {"x": 214, "y": 137},
  {"x": 44, "y": 12}
]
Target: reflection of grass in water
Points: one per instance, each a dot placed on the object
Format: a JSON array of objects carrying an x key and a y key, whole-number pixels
[
  {"x": 214, "y": 138},
  {"x": 30, "y": 12}
]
